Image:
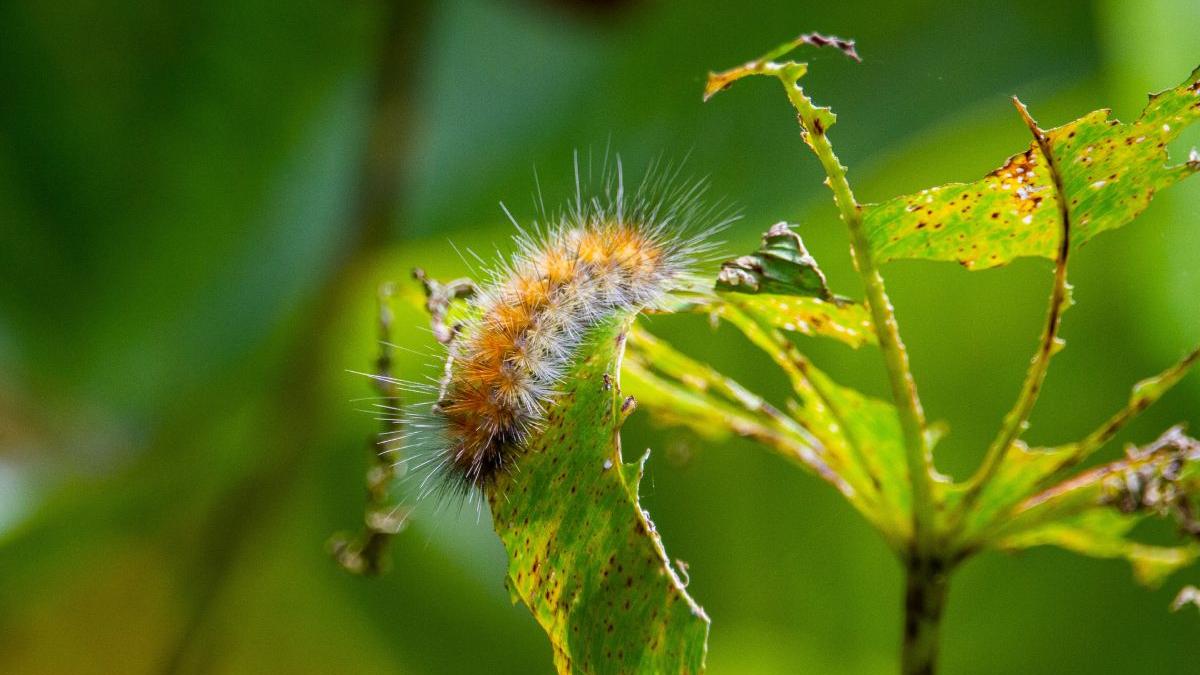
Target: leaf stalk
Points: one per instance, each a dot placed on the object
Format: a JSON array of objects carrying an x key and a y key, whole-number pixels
[{"x": 1017, "y": 419}]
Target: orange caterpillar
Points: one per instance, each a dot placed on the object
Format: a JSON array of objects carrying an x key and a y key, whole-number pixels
[{"x": 607, "y": 255}]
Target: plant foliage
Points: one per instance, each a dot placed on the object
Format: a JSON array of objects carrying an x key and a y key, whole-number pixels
[{"x": 588, "y": 561}]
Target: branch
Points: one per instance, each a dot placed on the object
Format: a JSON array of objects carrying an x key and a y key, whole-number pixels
[
  {"x": 814, "y": 123},
  {"x": 366, "y": 553}
]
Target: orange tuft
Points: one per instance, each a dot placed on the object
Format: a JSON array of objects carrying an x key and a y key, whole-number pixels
[
  {"x": 592, "y": 248},
  {"x": 514, "y": 354}
]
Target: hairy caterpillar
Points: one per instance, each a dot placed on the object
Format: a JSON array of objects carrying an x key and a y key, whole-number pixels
[{"x": 607, "y": 254}]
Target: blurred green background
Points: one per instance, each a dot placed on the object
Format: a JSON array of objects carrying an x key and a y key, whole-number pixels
[{"x": 198, "y": 200}]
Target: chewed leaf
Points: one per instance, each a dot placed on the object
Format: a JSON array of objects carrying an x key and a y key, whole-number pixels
[
  {"x": 583, "y": 555},
  {"x": 781, "y": 286},
  {"x": 782, "y": 266},
  {"x": 1110, "y": 170},
  {"x": 1104, "y": 534},
  {"x": 1095, "y": 512},
  {"x": 680, "y": 390},
  {"x": 766, "y": 63}
]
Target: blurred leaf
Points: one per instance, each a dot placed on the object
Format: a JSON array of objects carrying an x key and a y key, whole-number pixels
[
  {"x": 1104, "y": 534},
  {"x": 1093, "y": 512},
  {"x": 1110, "y": 170},
  {"x": 849, "y": 440},
  {"x": 1188, "y": 595},
  {"x": 583, "y": 555}
]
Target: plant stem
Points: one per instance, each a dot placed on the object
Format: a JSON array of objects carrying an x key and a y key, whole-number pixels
[
  {"x": 925, "y": 564},
  {"x": 924, "y": 598},
  {"x": 815, "y": 122},
  {"x": 1017, "y": 419}
]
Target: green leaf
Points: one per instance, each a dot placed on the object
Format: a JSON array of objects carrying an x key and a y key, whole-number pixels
[
  {"x": 845, "y": 321},
  {"x": 1110, "y": 170},
  {"x": 868, "y": 431},
  {"x": 781, "y": 266},
  {"x": 583, "y": 555},
  {"x": 1094, "y": 513},
  {"x": 1159, "y": 479},
  {"x": 1104, "y": 534},
  {"x": 682, "y": 391},
  {"x": 1016, "y": 479},
  {"x": 781, "y": 285},
  {"x": 850, "y": 440}
]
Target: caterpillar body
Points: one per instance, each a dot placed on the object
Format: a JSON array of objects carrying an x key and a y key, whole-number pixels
[{"x": 607, "y": 254}]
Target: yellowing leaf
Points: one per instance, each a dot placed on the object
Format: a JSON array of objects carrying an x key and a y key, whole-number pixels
[
  {"x": 1110, "y": 170},
  {"x": 842, "y": 320},
  {"x": 1103, "y": 534}
]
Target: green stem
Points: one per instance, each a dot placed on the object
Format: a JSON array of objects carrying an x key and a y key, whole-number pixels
[
  {"x": 927, "y": 573},
  {"x": 815, "y": 122},
  {"x": 924, "y": 599},
  {"x": 1017, "y": 419}
]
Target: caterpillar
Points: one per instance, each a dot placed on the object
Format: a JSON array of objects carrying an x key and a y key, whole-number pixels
[{"x": 608, "y": 253}]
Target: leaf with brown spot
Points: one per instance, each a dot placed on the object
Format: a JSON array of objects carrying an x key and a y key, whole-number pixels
[
  {"x": 1111, "y": 170},
  {"x": 583, "y": 555}
]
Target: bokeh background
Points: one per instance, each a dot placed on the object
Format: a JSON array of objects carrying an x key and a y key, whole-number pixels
[{"x": 198, "y": 200}]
